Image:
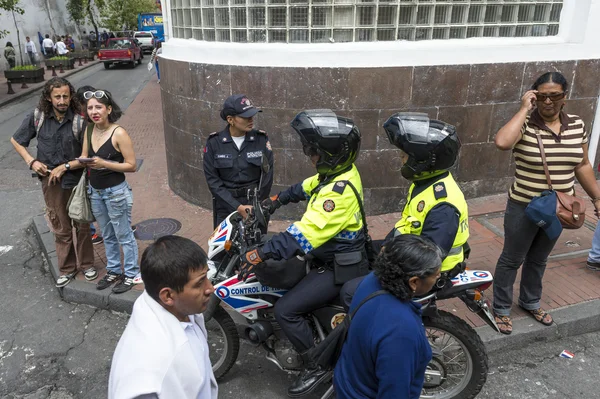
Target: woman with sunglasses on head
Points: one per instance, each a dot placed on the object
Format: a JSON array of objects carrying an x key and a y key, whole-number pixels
[
  {"x": 565, "y": 140},
  {"x": 109, "y": 155}
]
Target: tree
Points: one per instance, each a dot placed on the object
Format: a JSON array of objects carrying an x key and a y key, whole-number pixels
[
  {"x": 79, "y": 10},
  {"x": 119, "y": 14},
  {"x": 12, "y": 7}
]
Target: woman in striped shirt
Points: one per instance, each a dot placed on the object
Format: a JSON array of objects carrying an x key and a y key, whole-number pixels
[{"x": 565, "y": 141}]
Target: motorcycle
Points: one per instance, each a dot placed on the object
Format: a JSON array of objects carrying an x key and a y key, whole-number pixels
[{"x": 459, "y": 365}]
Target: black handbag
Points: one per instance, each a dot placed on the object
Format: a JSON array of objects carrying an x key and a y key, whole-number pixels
[{"x": 284, "y": 274}]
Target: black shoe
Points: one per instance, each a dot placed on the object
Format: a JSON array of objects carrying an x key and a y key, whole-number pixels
[
  {"x": 307, "y": 381},
  {"x": 96, "y": 239},
  {"x": 595, "y": 266},
  {"x": 123, "y": 286},
  {"x": 108, "y": 280}
]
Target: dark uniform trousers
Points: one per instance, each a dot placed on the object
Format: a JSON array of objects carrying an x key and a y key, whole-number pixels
[{"x": 312, "y": 292}]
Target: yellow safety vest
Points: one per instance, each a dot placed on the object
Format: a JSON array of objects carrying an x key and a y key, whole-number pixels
[{"x": 444, "y": 190}]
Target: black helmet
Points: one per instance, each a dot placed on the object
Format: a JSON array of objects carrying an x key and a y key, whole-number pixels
[
  {"x": 431, "y": 145},
  {"x": 334, "y": 138}
]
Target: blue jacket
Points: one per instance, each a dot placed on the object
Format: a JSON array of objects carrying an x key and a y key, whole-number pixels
[{"x": 386, "y": 351}]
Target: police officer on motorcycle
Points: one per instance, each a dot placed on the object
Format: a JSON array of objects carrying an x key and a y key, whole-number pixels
[
  {"x": 234, "y": 159},
  {"x": 435, "y": 206},
  {"x": 330, "y": 228}
]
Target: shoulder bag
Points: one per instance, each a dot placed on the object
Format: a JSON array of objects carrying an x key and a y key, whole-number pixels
[
  {"x": 79, "y": 207},
  {"x": 570, "y": 210}
]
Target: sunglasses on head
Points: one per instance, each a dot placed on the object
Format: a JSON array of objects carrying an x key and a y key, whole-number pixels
[
  {"x": 97, "y": 94},
  {"x": 553, "y": 97}
]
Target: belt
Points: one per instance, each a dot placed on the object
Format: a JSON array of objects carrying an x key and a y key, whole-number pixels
[{"x": 241, "y": 192}]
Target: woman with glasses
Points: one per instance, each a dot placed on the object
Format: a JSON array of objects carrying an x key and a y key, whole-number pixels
[
  {"x": 565, "y": 140},
  {"x": 109, "y": 155}
]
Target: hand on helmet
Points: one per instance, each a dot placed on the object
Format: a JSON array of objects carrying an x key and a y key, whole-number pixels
[
  {"x": 249, "y": 260},
  {"x": 271, "y": 204}
]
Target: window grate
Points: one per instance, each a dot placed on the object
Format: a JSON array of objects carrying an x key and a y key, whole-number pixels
[{"x": 318, "y": 21}]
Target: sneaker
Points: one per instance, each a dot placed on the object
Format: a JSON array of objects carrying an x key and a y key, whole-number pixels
[
  {"x": 65, "y": 279},
  {"x": 108, "y": 279},
  {"x": 90, "y": 274},
  {"x": 138, "y": 279},
  {"x": 133, "y": 228},
  {"x": 123, "y": 286},
  {"x": 595, "y": 266},
  {"x": 96, "y": 239}
]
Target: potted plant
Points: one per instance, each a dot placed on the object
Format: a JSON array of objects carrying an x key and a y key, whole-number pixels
[
  {"x": 25, "y": 73},
  {"x": 67, "y": 62}
]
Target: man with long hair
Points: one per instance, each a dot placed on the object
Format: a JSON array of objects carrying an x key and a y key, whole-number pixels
[{"x": 58, "y": 127}]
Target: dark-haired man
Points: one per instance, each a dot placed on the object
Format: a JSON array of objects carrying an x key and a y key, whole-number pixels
[
  {"x": 57, "y": 126},
  {"x": 163, "y": 351}
]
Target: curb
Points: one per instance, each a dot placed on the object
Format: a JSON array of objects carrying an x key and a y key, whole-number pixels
[
  {"x": 20, "y": 95},
  {"x": 79, "y": 291},
  {"x": 571, "y": 320}
]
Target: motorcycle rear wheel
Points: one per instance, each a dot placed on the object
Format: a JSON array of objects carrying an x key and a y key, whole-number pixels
[
  {"x": 462, "y": 358},
  {"x": 223, "y": 342}
]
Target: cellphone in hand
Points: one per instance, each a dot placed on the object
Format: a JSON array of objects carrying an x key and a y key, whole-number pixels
[{"x": 84, "y": 160}]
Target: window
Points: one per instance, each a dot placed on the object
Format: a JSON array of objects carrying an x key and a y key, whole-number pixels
[{"x": 317, "y": 21}]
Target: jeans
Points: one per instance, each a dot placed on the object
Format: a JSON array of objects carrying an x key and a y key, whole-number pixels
[
  {"x": 32, "y": 58},
  {"x": 157, "y": 70},
  {"x": 594, "y": 255},
  {"x": 112, "y": 209},
  {"x": 72, "y": 254},
  {"x": 524, "y": 243},
  {"x": 92, "y": 229}
]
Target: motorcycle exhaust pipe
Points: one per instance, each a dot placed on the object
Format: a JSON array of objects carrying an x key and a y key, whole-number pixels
[
  {"x": 213, "y": 304},
  {"x": 258, "y": 332}
]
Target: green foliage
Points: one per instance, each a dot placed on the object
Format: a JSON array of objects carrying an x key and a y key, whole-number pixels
[
  {"x": 24, "y": 68},
  {"x": 59, "y": 58},
  {"x": 116, "y": 14},
  {"x": 77, "y": 10},
  {"x": 10, "y": 6}
]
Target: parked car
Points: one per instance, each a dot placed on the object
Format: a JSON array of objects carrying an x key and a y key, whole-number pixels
[
  {"x": 121, "y": 50},
  {"x": 147, "y": 40}
]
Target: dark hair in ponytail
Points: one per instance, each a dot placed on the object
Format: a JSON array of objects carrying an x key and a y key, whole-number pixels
[
  {"x": 403, "y": 257},
  {"x": 551, "y": 77}
]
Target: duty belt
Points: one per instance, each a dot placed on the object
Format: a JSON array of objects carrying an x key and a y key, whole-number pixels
[{"x": 242, "y": 191}]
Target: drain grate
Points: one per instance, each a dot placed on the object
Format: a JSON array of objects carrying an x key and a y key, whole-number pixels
[{"x": 152, "y": 229}]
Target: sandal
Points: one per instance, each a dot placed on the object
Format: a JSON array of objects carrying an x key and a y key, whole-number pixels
[
  {"x": 540, "y": 316},
  {"x": 504, "y": 324}
]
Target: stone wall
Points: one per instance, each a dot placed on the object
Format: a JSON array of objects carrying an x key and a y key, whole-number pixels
[{"x": 478, "y": 99}]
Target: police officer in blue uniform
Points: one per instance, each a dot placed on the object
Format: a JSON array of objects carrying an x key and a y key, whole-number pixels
[
  {"x": 436, "y": 207},
  {"x": 332, "y": 225},
  {"x": 234, "y": 159}
]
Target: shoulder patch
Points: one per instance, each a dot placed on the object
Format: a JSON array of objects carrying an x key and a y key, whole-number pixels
[
  {"x": 261, "y": 132},
  {"x": 213, "y": 134},
  {"x": 439, "y": 190},
  {"x": 339, "y": 187},
  {"x": 328, "y": 205}
]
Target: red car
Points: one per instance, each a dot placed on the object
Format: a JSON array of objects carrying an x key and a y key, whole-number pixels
[{"x": 121, "y": 50}]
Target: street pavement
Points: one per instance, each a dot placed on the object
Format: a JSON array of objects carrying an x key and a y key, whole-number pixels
[{"x": 53, "y": 349}]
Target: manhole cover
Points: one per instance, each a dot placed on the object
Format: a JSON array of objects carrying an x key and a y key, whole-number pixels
[{"x": 152, "y": 229}]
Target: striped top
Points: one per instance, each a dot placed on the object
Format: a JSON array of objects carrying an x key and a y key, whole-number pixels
[{"x": 563, "y": 153}]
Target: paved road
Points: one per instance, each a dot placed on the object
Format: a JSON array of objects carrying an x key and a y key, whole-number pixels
[{"x": 52, "y": 349}]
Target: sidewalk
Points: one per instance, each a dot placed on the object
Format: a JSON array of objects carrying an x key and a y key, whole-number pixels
[
  {"x": 6, "y": 98},
  {"x": 567, "y": 281}
]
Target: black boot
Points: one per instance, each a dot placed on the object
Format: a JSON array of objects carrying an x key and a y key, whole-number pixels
[{"x": 309, "y": 379}]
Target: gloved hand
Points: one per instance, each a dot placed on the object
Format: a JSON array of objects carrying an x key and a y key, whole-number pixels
[
  {"x": 271, "y": 204},
  {"x": 249, "y": 260}
]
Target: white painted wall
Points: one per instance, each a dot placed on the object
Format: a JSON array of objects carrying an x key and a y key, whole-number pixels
[
  {"x": 36, "y": 18},
  {"x": 578, "y": 39}
]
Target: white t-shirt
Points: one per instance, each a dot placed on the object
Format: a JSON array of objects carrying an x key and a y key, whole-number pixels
[
  {"x": 238, "y": 141},
  {"x": 30, "y": 47},
  {"x": 47, "y": 43},
  {"x": 61, "y": 48}
]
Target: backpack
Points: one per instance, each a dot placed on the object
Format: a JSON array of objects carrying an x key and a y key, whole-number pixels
[
  {"x": 78, "y": 122},
  {"x": 327, "y": 352}
]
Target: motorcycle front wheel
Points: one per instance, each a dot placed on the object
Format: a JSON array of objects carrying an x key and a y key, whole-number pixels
[
  {"x": 459, "y": 360},
  {"x": 223, "y": 342}
]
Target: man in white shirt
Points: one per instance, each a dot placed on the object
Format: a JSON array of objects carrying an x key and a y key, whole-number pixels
[
  {"x": 163, "y": 352},
  {"x": 48, "y": 46},
  {"x": 61, "y": 47},
  {"x": 31, "y": 50}
]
